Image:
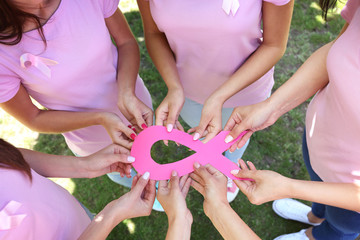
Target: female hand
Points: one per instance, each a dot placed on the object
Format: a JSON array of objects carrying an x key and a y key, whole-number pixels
[
  {"x": 118, "y": 131},
  {"x": 267, "y": 185},
  {"x": 210, "y": 123},
  {"x": 212, "y": 184},
  {"x": 168, "y": 111},
  {"x": 139, "y": 201},
  {"x": 135, "y": 111},
  {"x": 172, "y": 194},
  {"x": 252, "y": 118},
  {"x": 113, "y": 158}
]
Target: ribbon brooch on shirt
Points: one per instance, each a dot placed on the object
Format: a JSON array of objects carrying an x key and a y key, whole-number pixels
[
  {"x": 27, "y": 60},
  {"x": 230, "y": 6}
]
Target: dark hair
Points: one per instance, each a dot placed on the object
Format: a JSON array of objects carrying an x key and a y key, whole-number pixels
[
  {"x": 326, "y": 5},
  {"x": 11, "y": 158},
  {"x": 12, "y": 20}
]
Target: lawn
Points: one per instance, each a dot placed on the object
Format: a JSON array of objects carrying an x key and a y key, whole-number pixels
[{"x": 277, "y": 148}]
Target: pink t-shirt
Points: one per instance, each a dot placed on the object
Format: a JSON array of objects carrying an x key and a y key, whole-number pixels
[
  {"x": 333, "y": 116},
  {"x": 39, "y": 209},
  {"x": 210, "y": 45},
  {"x": 84, "y": 78}
]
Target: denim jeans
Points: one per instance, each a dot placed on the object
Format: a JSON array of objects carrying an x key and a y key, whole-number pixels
[{"x": 339, "y": 224}]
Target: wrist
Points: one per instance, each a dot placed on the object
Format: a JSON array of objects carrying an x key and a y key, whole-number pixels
[
  {"x": 184, "y": 219},
  {"x": 213, "y": 210}
]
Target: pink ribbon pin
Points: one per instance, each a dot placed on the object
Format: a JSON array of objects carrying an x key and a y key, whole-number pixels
[
  {"x": 8, "y": 219},
  {"x": 27, "y": 60},
  {"x": 210, "y": 152},
  {"x": 230, "y": 6}
]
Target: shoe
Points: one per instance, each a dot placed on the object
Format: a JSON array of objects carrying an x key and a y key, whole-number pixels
[
  {"x": 232, "y": 190},
  {"x": 294, "y": 236},
  {"x": 157, "y": 206},
  {"x": 292, "y": 209}
]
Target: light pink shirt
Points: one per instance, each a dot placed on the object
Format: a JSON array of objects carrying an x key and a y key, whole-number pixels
[
  {"x": 210, "y": 45},
  {"x": 84, "y": 78},
  {"x": 38, "y": 210},
  {"x": 333, "y": 116}
]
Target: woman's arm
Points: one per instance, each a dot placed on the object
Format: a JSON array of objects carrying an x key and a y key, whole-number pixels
[
  {"x": 269, "y": 186},
  {"x": 276, "y": 25},
  {"x": 212, "y": 184},
  {"x": 159, "y": 50},
  {"x": 136, "y": 203},
  {"x": 128, "y": 67},
  {"x": 308, "y": 79},
  {"x": 50, "y": 121},
  {"x": 113, "y": 158}
]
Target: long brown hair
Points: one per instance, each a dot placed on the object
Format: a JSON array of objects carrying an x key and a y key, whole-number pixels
[
  {"x": 12, "y": 20},
  {"x": 11, "y": 158},
  {"x": 326, "y": 5}
]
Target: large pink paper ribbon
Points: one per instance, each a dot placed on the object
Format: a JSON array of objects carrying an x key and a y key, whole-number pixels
[
  {"x": 210, "y": 152},
  {"x": 8, "y": 217},
  {"x": 27, "y": 60},
  {"x": 230, "y": 6}
]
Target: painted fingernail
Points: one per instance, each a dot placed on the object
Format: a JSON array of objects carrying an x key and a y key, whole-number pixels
[
  {"x": 130, "y": 159},
  {"x": 196, "y": 136},
  {"x": 228, "y": 138},
  {"x": 173, "y": 173},
  {"x": 234, "y": 172},
  {"x": 129, "y": 126},
  {"x": 169, "y": 127},
  {"x": 144, "y": 126},
  {"x": 146, "y": 175},
  {"x": 134, "y": 129},
  {"x": 133, "y": 136},
  {"x": 196, "y": 165}
]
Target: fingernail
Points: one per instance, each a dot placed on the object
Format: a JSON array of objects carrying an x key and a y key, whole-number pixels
[
  {"x": 146, "y": 175},
  {"x": 228, "y": 138},
  {"x": 230, "y": 151},
  {"x": 196, "y": 165},
  {"x": 169, "y": 127},
  {"x": 129, "y": 126},
  {"x": 134, "y": 129},
  {"x": 196, "y": 136},
  {"x": 234, "y": 172},
  {"x": 130, "y": 159},
  {"x": 174, "y": 173},
  {"x": 133, "y": 136},
  {"x": 144, "y": 126}
]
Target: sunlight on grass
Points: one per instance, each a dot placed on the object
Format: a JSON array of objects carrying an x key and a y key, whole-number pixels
[
  {"x": 128, "y": 6},
  {"x": 66, "y": 183},
  {"x": 130, "y": 225},
  {"x": 332, "y": 13}
]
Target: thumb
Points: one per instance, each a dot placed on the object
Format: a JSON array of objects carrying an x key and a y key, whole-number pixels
[
  {"x": 174, "y": 181},
  {"x": 141, "y": 184},
  {"x": 171, "y": 120},
  {"x": 237, "y": 131}
]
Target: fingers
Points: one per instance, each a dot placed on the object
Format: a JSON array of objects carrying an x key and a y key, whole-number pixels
[
  {"x": 210, "y": 136},
  {"x": 179, "y": 126},
  {"x": 141, "y": 184},
  {"x": 174, "y": 181},
  {"x": 129, "y": 132},
  {"x": 150, "y": 192},
  {"x": 186, "y": 186},
  {"x": 201, "y": 171},
  {"x": 163, "y": 184},
  {"x": 244, "y": 139},
  {"x": 198, "y": 187},
  {"x": 211, "y": 169}
]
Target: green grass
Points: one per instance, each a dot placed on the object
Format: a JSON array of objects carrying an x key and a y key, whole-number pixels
[{"x": 277, "y": 148}]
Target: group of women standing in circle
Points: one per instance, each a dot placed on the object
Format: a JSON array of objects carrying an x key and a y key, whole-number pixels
[{"x": 217, "y": 59}]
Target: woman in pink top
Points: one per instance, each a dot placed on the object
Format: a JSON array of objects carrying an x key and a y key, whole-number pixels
[
  {"x": 331, "y": 143},
  {"x": 213, "y": 56},
  {"x": 34, "y": 207},
  {"x": 60, "y": 53}
]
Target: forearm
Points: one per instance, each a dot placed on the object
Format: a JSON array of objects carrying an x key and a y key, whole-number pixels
[
  {"x": 179, "y": 229},
  {"x": 260, "y": 62},
  {"x": 229, "y": 224},
  {"x": 128, "y": 67},
  {"x": 308, "y": 79},
  {"x": 101, "y": 226},
  {"x": 342, "y": 195},
  {"x": 49, "y": 165},
  {"x": 163, "y": 58}
]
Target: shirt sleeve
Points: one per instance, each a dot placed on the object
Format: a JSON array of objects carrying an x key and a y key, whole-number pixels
[
  {"x": 278, "y": 2},
  {"x": 109, "y": 7},
  {"x": 349, "y": 10},
  {"x": 9, "y": 84}
]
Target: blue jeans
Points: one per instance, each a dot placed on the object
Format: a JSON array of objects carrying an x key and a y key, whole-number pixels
[{"x": 339, "y": 224}]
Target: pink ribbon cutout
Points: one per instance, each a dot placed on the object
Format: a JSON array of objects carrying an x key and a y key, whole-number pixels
[
  {"x": 8, "y": 219},
  {"x": 230, "y": 6},
  {"x": 27, "y": 60},
  {"x": 210, "y": 152}
]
